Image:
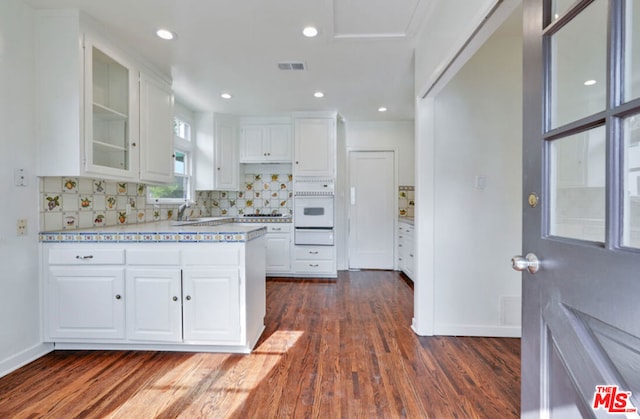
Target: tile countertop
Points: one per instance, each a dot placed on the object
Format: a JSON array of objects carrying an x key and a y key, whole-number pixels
[
  {"x": 210, "y": 230},
  {"x": 409, "y": 220}
]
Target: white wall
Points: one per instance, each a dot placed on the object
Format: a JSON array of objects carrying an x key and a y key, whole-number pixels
[
  {"x": 449, "y": 25},
  {"x": 396, "y": 135},
  {"x": 466, "y": 235},
  {"x": 20, "y": 308}
]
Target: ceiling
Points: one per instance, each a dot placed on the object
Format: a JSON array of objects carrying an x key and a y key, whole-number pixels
[{"x": 362, "y": 58}]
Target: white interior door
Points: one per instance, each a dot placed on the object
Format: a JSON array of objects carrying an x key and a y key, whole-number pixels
[
  {"x": 372, "y": 209},
  {"x": 581, "y": 310}
]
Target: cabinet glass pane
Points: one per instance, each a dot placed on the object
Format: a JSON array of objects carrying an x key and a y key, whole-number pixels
[
  {"x": 559, "y": 7},
  {"x": 632, "y": 51},
  {"x": 110, "y": 112},
  {"x": 577, "y": 185},
  {"x": 578, "y": 66},
  {"x": 631, "y": 228}
]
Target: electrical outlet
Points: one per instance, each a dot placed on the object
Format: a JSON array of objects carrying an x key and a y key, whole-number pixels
[{"x": 22, "y": 227}]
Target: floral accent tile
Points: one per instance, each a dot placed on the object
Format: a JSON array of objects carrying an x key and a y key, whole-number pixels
[
  {"x": 99, "y": 218},
  {"x": 121, "y": 188},
  {"x": 111, "y": 202},
  {"x": 52, "y": 202},
  {"x": 70, "y": 185},
  {"x": 86, "y": 202}
]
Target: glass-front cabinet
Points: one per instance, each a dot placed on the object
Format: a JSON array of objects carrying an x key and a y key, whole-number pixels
[
  {"x": 93, "y": 120},
  {"x": 110, "y": 114}
]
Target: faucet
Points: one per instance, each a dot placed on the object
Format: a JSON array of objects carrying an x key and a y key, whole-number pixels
[{"x": 181, "y": 210}]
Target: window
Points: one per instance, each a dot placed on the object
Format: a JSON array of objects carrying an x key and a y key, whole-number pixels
[{"x": 180, "y": 189}]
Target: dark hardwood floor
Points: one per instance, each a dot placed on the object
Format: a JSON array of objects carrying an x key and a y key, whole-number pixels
[{"x": 332, "y": 349}]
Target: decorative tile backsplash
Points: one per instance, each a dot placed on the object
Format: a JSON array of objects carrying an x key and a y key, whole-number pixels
[
  {"x": 261, "y": 193},
  {"x": 71, "y": 203},
  {"x": 406, "y": 201}
]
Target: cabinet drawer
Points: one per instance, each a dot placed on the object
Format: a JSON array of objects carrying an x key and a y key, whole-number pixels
[
  {"x": 211, "y": 256},
  {"x": 153, "y": 257},
  {"x": 314, "y": 252},
  {"x": 314, "y": 266},
  {"x": 278, "y": 228},
  {"x": 80, "y": 256}
]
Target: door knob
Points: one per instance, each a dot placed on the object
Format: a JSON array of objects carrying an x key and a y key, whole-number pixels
[{"x": 529, "y": 262}]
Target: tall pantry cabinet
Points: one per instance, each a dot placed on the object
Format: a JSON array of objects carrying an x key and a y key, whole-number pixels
[{"x": 99, "y": 112}]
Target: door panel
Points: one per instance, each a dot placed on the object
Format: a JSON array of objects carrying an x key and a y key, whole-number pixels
[
  {"x": 581, "y": 335},
  {"x": 372, "y": 210}
]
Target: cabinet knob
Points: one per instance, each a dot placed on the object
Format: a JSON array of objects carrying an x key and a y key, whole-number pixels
[
  {"x": 218, "y": 168},
  {"x": 175, "y": 298},
  {"x": 297, "y": 162},
  {"x": 133, "y": 144},
  {"x": 188, "y": 297},
  {"x": 118, "y": 296}
]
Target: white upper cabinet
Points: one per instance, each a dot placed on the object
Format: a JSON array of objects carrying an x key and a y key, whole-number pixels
[
  {"x": 216, "y": 162},
  {"x": 315, "y": 146},
  {"x": 156, "y": 130},
  {"x": 88, "y": 105},
  {"x": 265, "y": 143}
]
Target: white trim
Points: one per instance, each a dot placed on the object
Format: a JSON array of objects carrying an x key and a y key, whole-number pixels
[
  {"x": 23, "y": 358},
  {"x": 474, "y": 330}
]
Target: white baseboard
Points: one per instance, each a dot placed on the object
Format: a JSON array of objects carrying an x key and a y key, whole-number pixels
[
  {"x": 479, "y": 331},
  {"x": 23, "y": 358}
]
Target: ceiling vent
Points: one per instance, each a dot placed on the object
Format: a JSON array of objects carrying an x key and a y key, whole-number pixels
[{"x": 291, "y": 65}]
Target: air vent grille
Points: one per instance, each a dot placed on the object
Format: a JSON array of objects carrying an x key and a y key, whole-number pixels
[{"x": 291, "y": 65}]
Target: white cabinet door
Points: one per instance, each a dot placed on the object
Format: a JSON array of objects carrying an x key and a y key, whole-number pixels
[
  {"x": 85, "y": 303},
  {"x": 252, "y": 147},
  {"x": 154, "y": 304},
  {"x": 211, "y": 305},
  {"x": 156, "y": 130},
  {"x": 279, "y": 149},
  {"x": 315, "y": 146},
  {"x": 217, "y": 166},
  {"x": 227, "y": 176},
  {"x": 278, "y": 252},
  {"x": 265, "y": 143}
]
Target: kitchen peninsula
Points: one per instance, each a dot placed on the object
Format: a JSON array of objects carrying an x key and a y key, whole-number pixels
[{"x": 197, "y": 286}]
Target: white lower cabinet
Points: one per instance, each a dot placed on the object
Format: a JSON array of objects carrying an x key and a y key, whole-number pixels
[
  {"x": 405, "y": 241},
  {"x": 278, "y": 248},
  {"x": 147, "y": 295},
  {"x": 315, "y": 260},
  {"x": 85, "y": 302},
  {"x": 210, "y": 305}
]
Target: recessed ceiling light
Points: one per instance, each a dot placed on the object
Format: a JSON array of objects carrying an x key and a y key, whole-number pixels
[
  {"x": 590, "y": 82},
  {"x": 318, "y": 94},
  {"x": 382, "y": 109},
  {"x": 310, "y": 32},
  {"x": 165, "y": 34},
  {"x": 225, "y": 95}
]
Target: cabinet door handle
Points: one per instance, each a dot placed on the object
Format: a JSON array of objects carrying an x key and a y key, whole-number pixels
[
  {"x": 118, "y": 296},
  {"x": 84, "y": 257},
  {"x": 175, "y": 298},
  {"x": 399, "y": 245},
  {"x": 314, "y": 265},
  {"x": 188, "y": 297},
  {"x": 313, "y": 253},
  {"x": 276, "y": 229}
]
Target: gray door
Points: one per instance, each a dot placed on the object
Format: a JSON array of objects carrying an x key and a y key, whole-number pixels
[{"x": 581, "y": 310}]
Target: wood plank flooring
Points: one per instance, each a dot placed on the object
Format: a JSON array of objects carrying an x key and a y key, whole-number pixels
[{"x": 332, "y": 349}]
